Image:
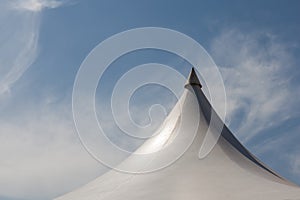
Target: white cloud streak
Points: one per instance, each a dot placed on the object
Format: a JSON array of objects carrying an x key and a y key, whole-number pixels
[
  {"x": 255, "y": 69},
  {"x": 19, "y": 35},
  {"x": 19, "y": 38},
  {"x": 35, "y": 5}
]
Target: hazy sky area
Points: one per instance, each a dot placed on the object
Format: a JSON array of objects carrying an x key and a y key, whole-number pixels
[{"x": 256, "y": 45}]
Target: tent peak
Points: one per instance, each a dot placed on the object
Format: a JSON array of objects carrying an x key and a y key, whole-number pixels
[{"x": 193, "y": 78}]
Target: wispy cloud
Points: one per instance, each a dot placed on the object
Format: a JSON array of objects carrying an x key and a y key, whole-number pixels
[
  {"x": 256, "y": 70},
  {"x": 19, "y": 38},
  {"x": 35, "y": 5},
  {"x": 18, "y": 48}
]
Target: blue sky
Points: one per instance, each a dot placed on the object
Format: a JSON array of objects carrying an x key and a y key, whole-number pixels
[{"x": 43, "y": 42}]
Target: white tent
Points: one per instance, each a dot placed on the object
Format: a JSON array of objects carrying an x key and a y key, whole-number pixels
[{"x": 229, "y": 171}]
